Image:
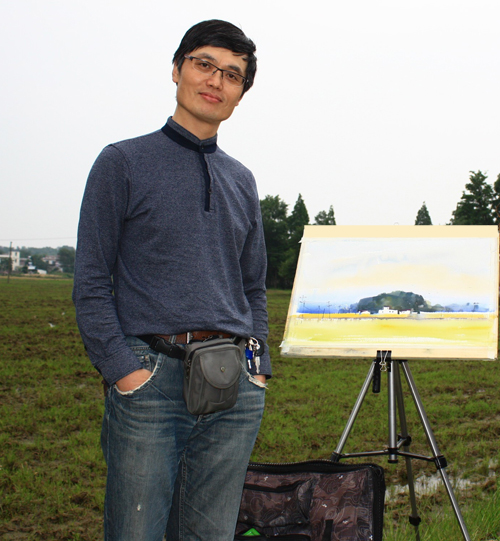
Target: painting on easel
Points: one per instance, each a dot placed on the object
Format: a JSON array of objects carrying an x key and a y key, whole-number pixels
[{"x": 428, "y": 292}]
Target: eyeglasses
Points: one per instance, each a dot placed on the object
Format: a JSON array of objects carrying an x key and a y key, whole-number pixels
[{"x": 203, "y": 66}]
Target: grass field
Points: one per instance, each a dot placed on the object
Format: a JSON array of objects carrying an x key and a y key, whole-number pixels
[{"x": 51, "y": 468}]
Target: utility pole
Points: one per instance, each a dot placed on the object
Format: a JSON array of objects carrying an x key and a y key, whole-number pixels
[{"x": 10, "y": 262}]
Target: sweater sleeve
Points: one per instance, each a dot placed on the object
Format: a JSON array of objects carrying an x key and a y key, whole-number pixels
[
  {"x": 254, "y": 269},
  {"x": 102, "y": 215}
]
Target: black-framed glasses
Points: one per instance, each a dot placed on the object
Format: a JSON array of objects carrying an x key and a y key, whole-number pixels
[{"x": 206, "y": 67}]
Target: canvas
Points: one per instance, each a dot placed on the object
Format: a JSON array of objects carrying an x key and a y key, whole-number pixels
[{"x": 417, "y": 291}]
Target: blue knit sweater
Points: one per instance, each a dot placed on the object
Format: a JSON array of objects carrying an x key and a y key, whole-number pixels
[{"x": 170, "y": 240}]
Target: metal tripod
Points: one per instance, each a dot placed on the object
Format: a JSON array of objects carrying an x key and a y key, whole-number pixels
[{"x": 384, "y": 362}]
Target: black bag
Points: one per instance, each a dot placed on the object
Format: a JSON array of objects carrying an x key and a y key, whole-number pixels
[
  {"x": 316, "y": 500},
  {"x": 211, "y": 375}
]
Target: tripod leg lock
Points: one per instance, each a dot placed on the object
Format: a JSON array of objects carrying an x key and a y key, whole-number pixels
[
  {"x": 335, "y": 457},
  {"x": 406, "y": 441},
  {"x": 440, "y": 462},
  {"x": 414, "y": 521}
]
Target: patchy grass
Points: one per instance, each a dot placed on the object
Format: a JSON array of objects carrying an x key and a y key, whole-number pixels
[{"x": 52, "y": 474}]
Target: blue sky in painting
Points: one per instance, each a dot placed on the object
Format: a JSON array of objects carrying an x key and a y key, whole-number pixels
[{"x": 340, "y": 271}]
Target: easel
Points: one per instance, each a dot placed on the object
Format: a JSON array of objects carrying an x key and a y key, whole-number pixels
[{"x": 384, "y": 362}]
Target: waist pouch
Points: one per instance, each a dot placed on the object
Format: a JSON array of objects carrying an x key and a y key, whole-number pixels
[
  {"x": 316, "y": 500},
  {"x": 211, "y": 375}
]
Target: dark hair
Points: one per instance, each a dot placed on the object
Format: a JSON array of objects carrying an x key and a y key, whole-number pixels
[{"x": 216, "y": 33}]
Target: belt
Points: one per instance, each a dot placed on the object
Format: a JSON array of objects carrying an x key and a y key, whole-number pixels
[
  {"x": 187, "y": 337},
  {"x": 163, "y": 344}
]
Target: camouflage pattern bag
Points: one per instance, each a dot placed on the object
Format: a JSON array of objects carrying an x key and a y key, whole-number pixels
[{"x": 317, "y": 500}]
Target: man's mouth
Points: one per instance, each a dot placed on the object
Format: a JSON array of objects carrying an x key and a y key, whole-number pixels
[{"x": 212, "y": 98}]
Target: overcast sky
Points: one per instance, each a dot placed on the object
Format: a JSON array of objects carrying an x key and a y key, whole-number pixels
[{"x": 372, "y": 106}]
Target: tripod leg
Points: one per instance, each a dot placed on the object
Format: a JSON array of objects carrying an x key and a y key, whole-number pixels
[
  {"x": 439, "y": 459},
  {"x": 414, "y": 518},
  {"x": 337, "y": 454},
  {"x": 391, "y": 408}
]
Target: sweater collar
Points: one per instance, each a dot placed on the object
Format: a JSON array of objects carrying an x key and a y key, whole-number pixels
[{"x": 186, "y": 139}]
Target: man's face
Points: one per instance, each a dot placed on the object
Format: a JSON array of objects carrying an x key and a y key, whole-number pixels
[{"x": 204, "y": 101}]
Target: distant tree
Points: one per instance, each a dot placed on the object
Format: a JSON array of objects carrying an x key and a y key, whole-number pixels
[
  {"x": 38, "y": 262},
  {"x": 495, "y": 203},
  {"x": 45, "y": 251},
  {"x": 474, "y": 207},
  {"x": 5, "y": 264},
  {"x": 423, "y": 216},
  {"x": 67, "y": 258},
  {"x": 325, "y": 218},
  {"x": 274, "y": 219},
  {"x": 296, "y": 222}
]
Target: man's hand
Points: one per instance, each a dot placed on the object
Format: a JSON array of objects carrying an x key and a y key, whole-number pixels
[
  {"x": 133, "y": 380},
  {"x": 261, "y": 378}
]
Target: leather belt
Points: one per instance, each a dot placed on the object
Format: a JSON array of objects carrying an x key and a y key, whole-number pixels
[
  {"x": 187, "y": 337},
  {"x": 161, "y": 345},
  {"x": 163, "y": 342}
]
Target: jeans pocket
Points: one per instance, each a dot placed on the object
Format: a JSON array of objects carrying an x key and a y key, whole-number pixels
[
  {"x": 245, "y": 375},
  {"x": 256, "y": 382},
  {"x": 150, "y": 361}
]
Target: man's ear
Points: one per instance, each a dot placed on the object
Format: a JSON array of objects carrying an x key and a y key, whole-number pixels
[{"x": 175, "y": 74}]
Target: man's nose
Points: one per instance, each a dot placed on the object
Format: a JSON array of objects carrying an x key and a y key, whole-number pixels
[{"x": 216, "y": 78}]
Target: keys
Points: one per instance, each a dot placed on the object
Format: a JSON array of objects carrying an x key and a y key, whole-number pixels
[
  {"x": 249, "y": 356},
  {"x": 252, "y": 347}
]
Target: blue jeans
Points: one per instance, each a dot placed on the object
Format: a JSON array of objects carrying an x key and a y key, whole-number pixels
[{"x": 169, "y": 471}]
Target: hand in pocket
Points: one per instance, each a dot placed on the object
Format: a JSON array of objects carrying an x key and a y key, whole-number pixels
[{"x": 133, "y": 380}]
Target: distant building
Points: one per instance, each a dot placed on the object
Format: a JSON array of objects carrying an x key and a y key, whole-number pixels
[
  {"x": 53, "y": 262},
  {"x": 16, "y": 259}
]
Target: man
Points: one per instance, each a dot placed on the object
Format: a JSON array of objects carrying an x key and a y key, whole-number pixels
[{"x": 171, "y": 245}]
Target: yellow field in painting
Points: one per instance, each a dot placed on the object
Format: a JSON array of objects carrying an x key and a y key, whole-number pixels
[{"x": 429, "y": 330}]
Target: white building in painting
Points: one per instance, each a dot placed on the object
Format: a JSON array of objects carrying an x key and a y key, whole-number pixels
[{"x": 387, "y": 310}]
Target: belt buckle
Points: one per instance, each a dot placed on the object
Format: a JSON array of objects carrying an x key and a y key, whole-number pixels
[{"x": 189, "y": 337}]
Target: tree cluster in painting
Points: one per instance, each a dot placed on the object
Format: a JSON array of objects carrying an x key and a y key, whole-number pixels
[
  {"x": 396, "y": 302},
  {"x": 403, "y": 301}
]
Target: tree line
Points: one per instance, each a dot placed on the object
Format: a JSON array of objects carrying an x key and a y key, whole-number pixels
[
  {"x": 283, "y": 232},
  {"x": 36, "y": 257},
  {"x": 479, "y": 205}
]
